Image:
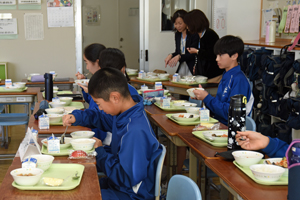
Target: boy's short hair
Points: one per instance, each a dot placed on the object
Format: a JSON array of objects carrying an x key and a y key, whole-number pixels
[
  {"x": 229, "y": 44},
  {"x": 196, "y": 21},
  {"x": 108, "y": 80}
]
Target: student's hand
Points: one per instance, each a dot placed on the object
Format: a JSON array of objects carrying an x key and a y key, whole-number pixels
[
  {"x": 98, "y": 143},
  {"x": 254, "y": 140},
  {"x": 168, "y": 58},
  {"x": 192, "y": 50},
  {"x": 85, "y": 88},
  {"x": 200, "y": 94},
  {"x": 68, "y": 120},
  {"x": 79, "y": 76},
  {"x": 174, "y": 61}
]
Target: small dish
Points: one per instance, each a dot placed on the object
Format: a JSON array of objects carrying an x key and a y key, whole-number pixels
[{"x": 185, "y": 117}]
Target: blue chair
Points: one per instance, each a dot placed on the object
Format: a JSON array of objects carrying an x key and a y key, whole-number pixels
[
  {"x": 182, "y": 188},
  {"x": 250, "y": 124},
  {"x": 159, "y": 168}
]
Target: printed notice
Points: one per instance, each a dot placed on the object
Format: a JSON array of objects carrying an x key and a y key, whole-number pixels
[
  {"x": 29, "y": 1},
  {"x": 220, "y": 21},
  {"x": 33, "y": 24},
  {"x": 7, "y": 2},
  {"x": 8, "y": 26}
]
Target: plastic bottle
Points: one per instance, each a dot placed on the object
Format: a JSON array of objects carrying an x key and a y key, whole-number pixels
[{"x": 295, "y": 158}]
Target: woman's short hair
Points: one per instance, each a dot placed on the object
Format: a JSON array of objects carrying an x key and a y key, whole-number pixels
[{"x": 196, "y": 21}]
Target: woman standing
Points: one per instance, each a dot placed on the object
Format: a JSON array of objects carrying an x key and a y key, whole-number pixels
[
  {"x": 183, "y": 40},
  {"x": 205, "y": 63}
]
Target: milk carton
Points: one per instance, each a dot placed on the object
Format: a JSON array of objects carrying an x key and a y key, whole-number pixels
[
  {"x": 158, "y": 85},
  {"x": 175, "y": 77},
  {"x": 141, "y": 74},
  {"x": 8, "y": 83},
  {"x": 165, "y": 102},
  {"x": 44, "y": 122},
  {"x": 204, "y": 114}
]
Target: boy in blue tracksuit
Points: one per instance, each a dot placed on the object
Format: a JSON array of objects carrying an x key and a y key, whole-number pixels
[
  {"x": 273, "y": 147},
  {"x": 228, "y": 50},
  {"x": 130, "y": 166}
]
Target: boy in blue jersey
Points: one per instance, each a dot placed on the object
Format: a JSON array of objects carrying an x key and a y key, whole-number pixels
[
  {"x": 228, "y": 50},
  {"x": 273, "y": 147},
  {"x": 130, "y": 166}
]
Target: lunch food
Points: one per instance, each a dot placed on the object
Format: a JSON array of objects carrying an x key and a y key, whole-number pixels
[
  {"x": 190, "y": 116},
  {"x": 282, "y": 163},
  {"x": 214, "y": 135},
  {"x": 53, "y": 181},
  {"x": 30, "y": 174},
  {"x": 77, "y": 154}
]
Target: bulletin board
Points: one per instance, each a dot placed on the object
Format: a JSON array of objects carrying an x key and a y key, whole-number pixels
[
  {"x": 265, "y": 4},
  {"x": 3, "y": 71}
]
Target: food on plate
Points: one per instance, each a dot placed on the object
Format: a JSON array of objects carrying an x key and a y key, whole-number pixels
[
  {"x": 282, "y": 163},
  {"x": 214, "y": 135},
  {"x": 30, "y": 174},
  {"x": 190, "y": 116},
  {"x": 78, "y": 154},
  {"x": 53, "y": 181}
]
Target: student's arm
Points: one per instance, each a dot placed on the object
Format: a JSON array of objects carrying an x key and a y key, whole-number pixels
[
  {"x": 276, "y": 148},
  {"x": 86, "y": 96}
]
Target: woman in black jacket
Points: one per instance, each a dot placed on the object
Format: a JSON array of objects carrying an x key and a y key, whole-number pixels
[
  {"x": 183, "y": 40},
  {"x": 206, "y": 63}
]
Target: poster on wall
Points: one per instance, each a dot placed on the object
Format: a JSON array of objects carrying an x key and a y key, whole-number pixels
[
  {"x": 33, "y": 24},
  {"x": 60, "y": 13},
  {"x": 220, "y": 17},
  {"x": 8, "y": 26},
  {"x": 8, "y": 4},
  {"x": 92, "y": 15},
  {"x": 29, "y": 4}
]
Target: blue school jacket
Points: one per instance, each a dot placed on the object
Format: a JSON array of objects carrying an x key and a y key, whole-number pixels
[
  {"x": 92, "y": 105},
  {"x": 276, "y": 148},
  {"x": 232, "y": 83},
  {"x": 130, "y": 166}
]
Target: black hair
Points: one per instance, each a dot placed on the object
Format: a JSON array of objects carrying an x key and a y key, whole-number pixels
[
  {"x": 113, "y": 58},
  {"x": 179, "y": 13},
  {"x": 229, "y": 44},
  {"x": 93, "y": 51},
  {"x": 196, "y": 21},
  {"x": 107, "y": 80}
]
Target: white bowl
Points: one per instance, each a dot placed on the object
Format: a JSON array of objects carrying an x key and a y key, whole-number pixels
[
  {"x": 247, "y": 158},
  {"x": 191, "y": 93},
  {"x": 184, "y": 105},
  {"x": 55, "y": 88},
  {"x": 62, "y": 146},
  {"x": 68, "y": 100},
  {"x": 57, "y": 104},
  {"x": 19, "y": 84},
  {"x": 218, "y": 138},
  {"x": 151, "y": 74},
  {"x": 194, "y": 110},
  {"x": 166, "y": 92},
  {"x": 201, "y": 79},
  {"x": 179, "y": 101},
  {"x": 131, "y": 71},
  {"x": 83, "y": 82},
  {"x": 55, "y": 118},
  {"x": 265, "y": 172},
  {"x": 27, "y": 180},
  {"x": 163, "y": 76},
  {"x": 69, "y": 109},
  {"x": 276, "y": 160},
  {"x": 43, "y": 161},
  {"x": 83, "y": 144},
  {"x": 82, "y": 134},
  {"x": 185, "y": 117},
  {"x": 55, "y": 110}
]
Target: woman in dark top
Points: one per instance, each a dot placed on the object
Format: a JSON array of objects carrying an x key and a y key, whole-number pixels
[
  {"x": 206, "y": 63},
  {"x": 183, "y": 40}
]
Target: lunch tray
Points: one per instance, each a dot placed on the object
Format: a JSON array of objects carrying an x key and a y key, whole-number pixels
[
  {"x": 77, "y": 105},
  {"x": 65, "y": 92},
  {"x": 199, "y": 134},
  {"x": 63, "y": 152},
  {"x": 184, "y": 83},
  {"x": 211, "y": 120},
  {"x": 282, "y": 181},
  {"x": 2, "y": 89},
  {"x": 57, "y": 171},
  {"x": 153, "y": 80},
  {"x": 172, "y": 108}
]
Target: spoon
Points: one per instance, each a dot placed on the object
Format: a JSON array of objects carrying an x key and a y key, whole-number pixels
[
  {"x": 75, "y": 177},
  {"x": 62, "y": 138}
]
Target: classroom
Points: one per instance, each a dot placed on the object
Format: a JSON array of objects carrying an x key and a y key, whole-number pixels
[{"x": 214, "y": 115}]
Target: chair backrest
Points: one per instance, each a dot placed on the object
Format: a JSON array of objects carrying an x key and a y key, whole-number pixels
[
  {"x": 158, "y": 172},
  {"x": 250, "y": 124},
  {"x": 181, "y": 188}
]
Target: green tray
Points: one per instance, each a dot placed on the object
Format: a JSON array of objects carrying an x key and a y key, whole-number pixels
[
  {"x": 77, "y": 105},
  {"x": 184, "y": 83},
  {"x": 56, "y": 124},
  {"x": 58, "y": 171},
  {"x": 63, "y": 152},
  {"x": 282, "y": 181},
  {"x": 199, "y": 134},
  {"x": 14, "y": 90},
  {"x": 65, "y": 92},
  {"x": 211, "y": 120},
  {"x": 153, "y": 80},
  {"x": 169, "y": 109}
]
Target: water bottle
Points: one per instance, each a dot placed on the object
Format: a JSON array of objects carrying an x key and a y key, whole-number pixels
[
  {"x": 48, "y": 86},
  {"x": 295, "y": 158},
  {"x": 236, "y": 120}
]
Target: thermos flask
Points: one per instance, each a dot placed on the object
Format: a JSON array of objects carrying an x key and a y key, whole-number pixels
[
  {"x": 236, "y": 120},
  {"x": 48, "y": 86}
]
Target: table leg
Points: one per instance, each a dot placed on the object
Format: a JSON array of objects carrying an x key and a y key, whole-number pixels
[{"x": 193, "y": 166}]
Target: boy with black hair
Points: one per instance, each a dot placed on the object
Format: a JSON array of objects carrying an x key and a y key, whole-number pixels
[
  {"x": 130, "y": 166},
  {"x": 228, "y": 50}
]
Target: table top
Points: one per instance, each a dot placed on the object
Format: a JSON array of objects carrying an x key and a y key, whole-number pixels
[
  {"x": 89, "y": 188},
  {"x": 242, "y": 184},
  {"x": 135, "y": 80},
  {"x": 71, "y": 81},
  {"x": 29, "y": 91}
]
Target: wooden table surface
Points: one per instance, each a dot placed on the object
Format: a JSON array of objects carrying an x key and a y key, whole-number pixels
[
  {"x": 89, "y": 188},
  {"x": 242, "y": 184},
  {"x": 29, "y": 91},
  {"x": 71, "y": 81}
]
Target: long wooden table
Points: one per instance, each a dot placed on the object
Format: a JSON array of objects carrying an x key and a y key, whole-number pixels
[
  {"x": 240, "y": 184},
  {"x": 62, "y": 85}
]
